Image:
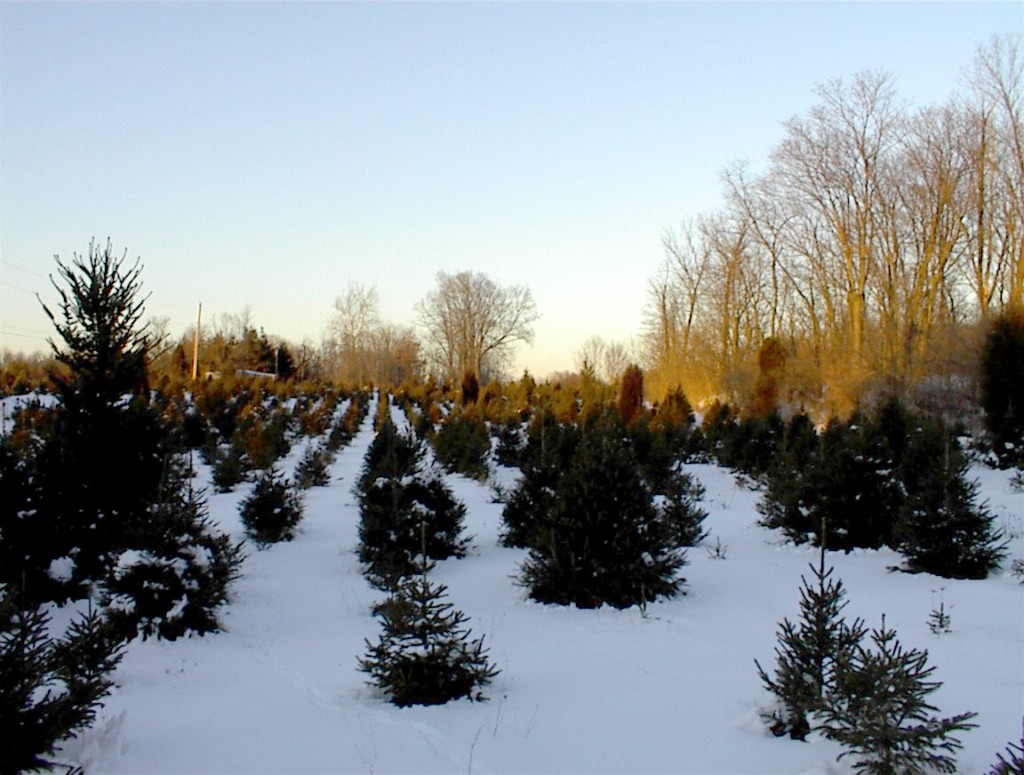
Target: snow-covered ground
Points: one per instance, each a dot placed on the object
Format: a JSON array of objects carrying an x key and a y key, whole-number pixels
[{"x": 669, "y": 689}]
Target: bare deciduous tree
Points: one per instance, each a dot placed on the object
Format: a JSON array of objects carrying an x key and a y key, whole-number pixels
[
  {"x": 471, "y": 324},
  {"x": 350, "y": 333},
  {"x": 874, "y": 236},
  {"x": 605, "y": 360},
  {"x": 362, "y": 349}
]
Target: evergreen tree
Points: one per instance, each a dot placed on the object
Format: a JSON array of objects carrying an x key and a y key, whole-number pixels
[
  {"x": 848, "y": 484},
  {"x": 877, "y": 708},
  {"x": 470, "y": 388},
  {"x": 26, "y": 534},
  {"x": 529, "y": 504},
  {"x": 177, "y": 577},
  {"x": 549, "y": 441},
  {"x": 404, "y": 510},
  {"x": 462, "y": 445},
  {"x": 942, "y": 529},
  {"x": 311, "y": 470},
  {"x": 718, "y": 426},
  {"x": 788, "y": 496},
  {"x": 675, "y": 411},
  {"x": 603, "y": 540},
  {"x": 50, "y": 688},
  {"x": 799, "y": 444},
  {"x": 771, "y": 364},
  {"x": 511, "y": 443},
  {"x": 753, "y": 446},
  {"x": 678, "y": 506},
  {"x": 1002, "y": 385},
  {"x": 230, "y": 466},
  {"x": 424, "y": 655},
  {"x": 631, "y": 394},
  {"x": 100, "y": 469},
  {"x": 391, "y": 455},
  {"x": 402, "y": 521},
  {"x": 895, "y": 423},
  {"x": 672, "y": 428},
  {"x": 272, "y": 511},
  {"x": 1011, "y": 761},
  {"x": 808, "y": 652},
  {"x": 855, "y": 492},
  {"x": 344, "y": 428},
  {"x": 549, "y": 449}
]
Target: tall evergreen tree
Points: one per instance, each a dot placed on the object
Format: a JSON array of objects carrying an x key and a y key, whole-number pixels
[{"x": 101, "y": 469}]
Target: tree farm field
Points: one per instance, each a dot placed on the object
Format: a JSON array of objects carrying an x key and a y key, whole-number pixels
[{"x": 667, "y": 687}]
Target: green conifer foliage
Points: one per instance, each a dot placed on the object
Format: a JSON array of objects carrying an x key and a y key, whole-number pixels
[
  {"x": 511, "y": 442},
  {"x": 391, "y": 455},
  {"x": 808, "y": 652},
  {"x": 405, "y": 520},
  {"x": 100, "y": 468},
  {"x": 424, "y": 655},
  {"x": 26, "y": 535},
  {"x": 942, "y": 529},
  {"x": 1010, "y": 761},
  {"x": 272, "y": 511},
  {"x": 177, "y": 578},
  {"x": 311, "y": 470},
  {"x": 1002, "y": 385},
  {"x": 877, "y": 708},
  {"x": 230, "y": 466},
  {"x": 849, "y": 483},
  {"x": 462, "y": 445},
  {"x": 603, "y": 540},
  {"x": 528, "y": 505},
  {"x": 344, "y": 427},
  {"x": 50, "y": 688},
  {"x": 679, "y": 508},
  {"x": 549, "y": 441}
]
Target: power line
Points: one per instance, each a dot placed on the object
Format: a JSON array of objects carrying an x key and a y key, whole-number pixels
[
  {"x": 46, "y": 297},
  {"x": 23, "y": 269},
  {"x": 22, "y": 336},
  {"x": 26, "y": 330}
]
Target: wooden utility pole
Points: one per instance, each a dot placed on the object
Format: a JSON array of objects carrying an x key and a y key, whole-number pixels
[{"x": 195, "y": 345}]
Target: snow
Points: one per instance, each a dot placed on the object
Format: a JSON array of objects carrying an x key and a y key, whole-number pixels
[
  {"x": 11, "y": 405},
  {"x": 671, "y": 688},
  {"x": 61, "y": 569}
]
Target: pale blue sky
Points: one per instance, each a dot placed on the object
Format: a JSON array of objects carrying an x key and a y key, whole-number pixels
[{"x": 269, "y": 154}]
